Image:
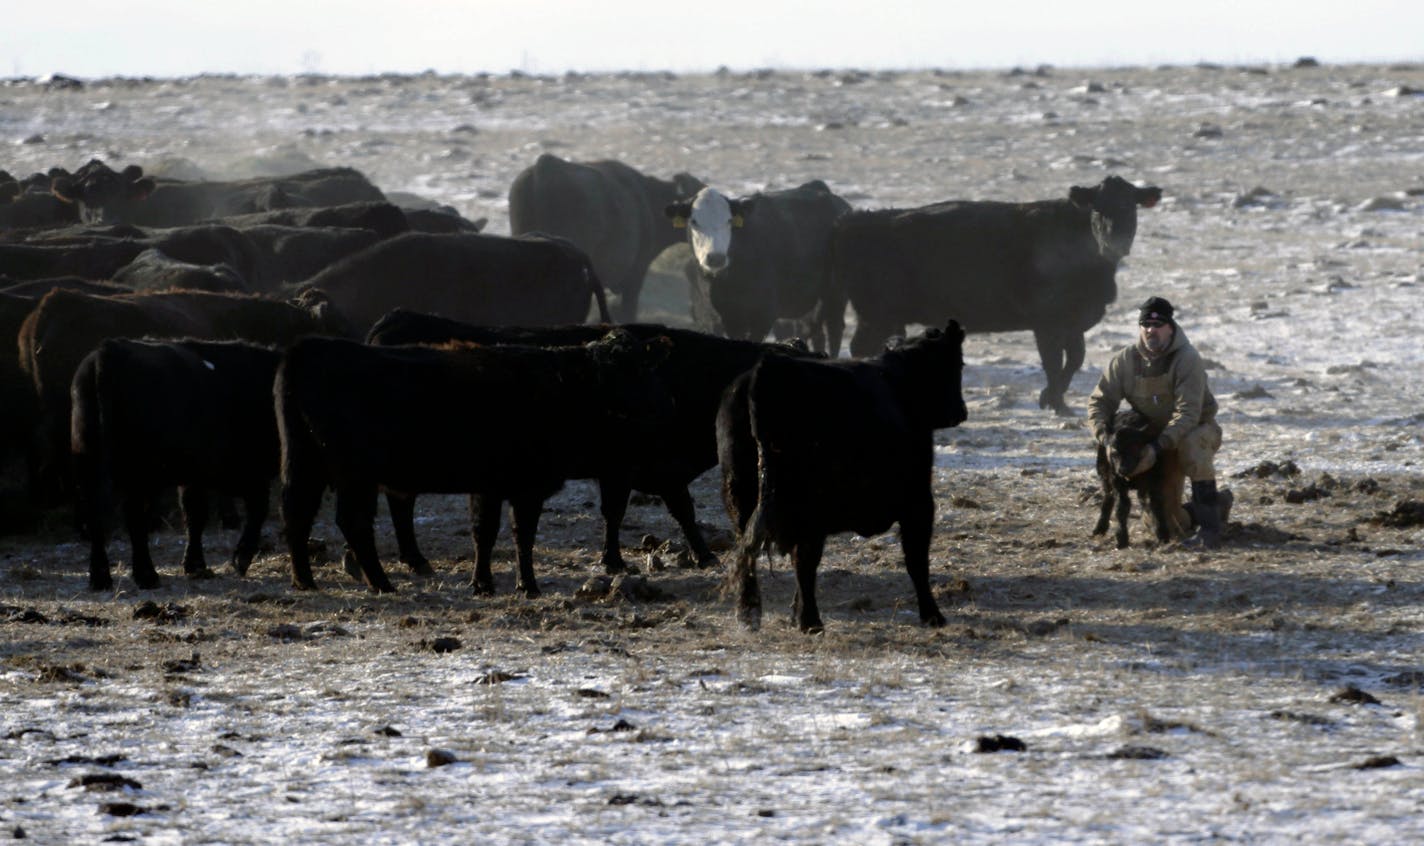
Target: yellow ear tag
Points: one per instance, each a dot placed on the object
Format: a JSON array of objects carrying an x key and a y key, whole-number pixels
[
  {"x": 737, "y": 221},
  {"x": 679, "y": 222}
]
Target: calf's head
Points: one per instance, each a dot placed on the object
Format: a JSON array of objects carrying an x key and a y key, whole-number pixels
[
  {"x": 1112, "y": 206},
  {"x": 629, "y": 377},
  {"x": 933, "y": 368},
  {"x": 1129, "y": 439},
  {"x": 710, "y": 219}
]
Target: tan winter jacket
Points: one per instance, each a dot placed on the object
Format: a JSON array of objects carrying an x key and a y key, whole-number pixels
[{"x": 1170, "y": 390}]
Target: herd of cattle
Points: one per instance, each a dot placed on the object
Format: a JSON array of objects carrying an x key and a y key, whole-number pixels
[{"x": 213, "y": 336}]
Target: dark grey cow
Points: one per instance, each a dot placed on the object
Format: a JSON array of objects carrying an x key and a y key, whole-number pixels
[
  {"x": 532, "y": 280},
  {"x": 1045, "y": 266},
  {"x": 104, "y": 195},
  {"x": 763, "y": 258},
  {"x": 607, "y": 209}
]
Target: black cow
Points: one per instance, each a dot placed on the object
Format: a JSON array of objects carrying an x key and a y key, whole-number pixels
[
  {"x": 155, "y": 270},
  {"x": 763, "y": 257},
  {"x": 607, "y": 209},
  {"x": 28, "y": 204},
  {"x": 100, "y": 256},
  {"x": 698, "y": 369},
  {"x": 1045, "y": 266},
  {"x": 811, "y": 448},
  {"x": 385, "y": 219},
  {"x": 104, "y": 195},
  {"x": 532, "y": 280},
  {"x": 148, "y": 416},
  {"x": 66, "y": 326},
  {"x": 292, "y": 254},
  {"x": 509, "y": 423}
]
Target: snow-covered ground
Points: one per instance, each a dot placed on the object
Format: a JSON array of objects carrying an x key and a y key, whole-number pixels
[{"x": 1160, "y": 697}]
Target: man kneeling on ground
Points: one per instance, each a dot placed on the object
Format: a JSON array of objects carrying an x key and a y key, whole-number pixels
[{"x": 1162, "y": 377}]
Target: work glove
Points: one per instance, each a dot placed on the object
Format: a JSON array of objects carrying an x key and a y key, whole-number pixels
[{"x": 1149, "y": 458}]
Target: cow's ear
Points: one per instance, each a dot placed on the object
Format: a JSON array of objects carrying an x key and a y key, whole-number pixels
[
  {"x": 954, "y": 330},
  {"x": 140, "y": 189},
  {"x": 678, "y": 214},
  {"x": 63, "y": 188},
  {"x": 1149, "y": 197},
  {"x": 687, "y": 185},
  {"x": 740, "y": 210},
  {"x": 1081, "y": 196}
]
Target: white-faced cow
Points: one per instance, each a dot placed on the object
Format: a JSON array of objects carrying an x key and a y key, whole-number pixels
[
  {"x": 764, "y": 257},
  {"x": 606, "y": 208},
  {"x": 1045, "y": 266},
  {"x": 812, "y": 448}
]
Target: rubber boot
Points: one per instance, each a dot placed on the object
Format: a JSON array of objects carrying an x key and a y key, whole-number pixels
[{"x": 1205, "y": 504}]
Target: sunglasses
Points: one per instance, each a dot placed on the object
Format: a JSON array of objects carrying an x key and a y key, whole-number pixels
[{"x": 1151, "y": 324}]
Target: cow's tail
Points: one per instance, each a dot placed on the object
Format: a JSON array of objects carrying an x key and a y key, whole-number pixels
[
  {"x": 91, "y": 420},
  {"x": 599, "y": 296},
  {"x": 757, "y": 534}
]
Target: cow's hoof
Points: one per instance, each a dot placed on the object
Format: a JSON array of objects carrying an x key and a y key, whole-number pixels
[
  {"x": 482, "y": 588},
  {"x": 101, "y": 584},
  {"x": 614, "y": 566},
  {"x": 352, "y": 568},
  {"x": 298, "y": 584},
  {"x": 813, "y": 628},
  {"x": 147, "y": 582},
  {"x": 200, "y": 573},
  {"x": 420, "y": 566},
  {"x": 750, "y": 617},
  {"x": 934, "y": 621},
  {"x": 530, "y": 591}
]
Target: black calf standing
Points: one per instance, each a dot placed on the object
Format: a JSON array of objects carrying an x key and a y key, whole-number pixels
[
  {"x": 147, "y": 416},
  {"x": 1158, "y": 490},
  {"x": 811, "y": 448}
]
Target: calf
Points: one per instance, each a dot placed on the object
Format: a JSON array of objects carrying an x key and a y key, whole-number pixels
[
  {"x": 1159, "y": 490},
  {"x": 508, "y": 423},
  {"x": 147, "y": 416},
  {"x": 811, "y": 448}
]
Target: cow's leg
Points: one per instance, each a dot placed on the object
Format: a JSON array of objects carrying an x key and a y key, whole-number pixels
[
  {"x": 301, "y": 498},
  {"x": 870, "y": 337},
  {"x": 915, "y": 531},
  {"x": 255, "y": 504},
  {"x": 629, "y": 293},
  {"x": 679, "y": 504},
  {"x": 136, "y": 519},
  {"x": 193, "y": 502},
  {"x": 524, "y": 520},
  {"x": 1124, "y": 508},
  {"x": 484, "y": 521},
  {"x": 402, "y": 508},
  {"x": 1050, "y": 344},
  {"x": 356, "y": 517},
  {"x": 806, "y": 559},
  {"x": 613, "y": 494},
  {"x": 95, "y": 502},
  {"x": 1075, "y": 351}
]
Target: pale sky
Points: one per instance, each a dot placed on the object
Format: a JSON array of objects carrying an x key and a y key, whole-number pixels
[{"x": 89, "y": 39}]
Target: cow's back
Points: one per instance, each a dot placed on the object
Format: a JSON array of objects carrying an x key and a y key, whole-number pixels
[
  {"x": 477, "y": 278},
  {"x": 837, "y": 445}
]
